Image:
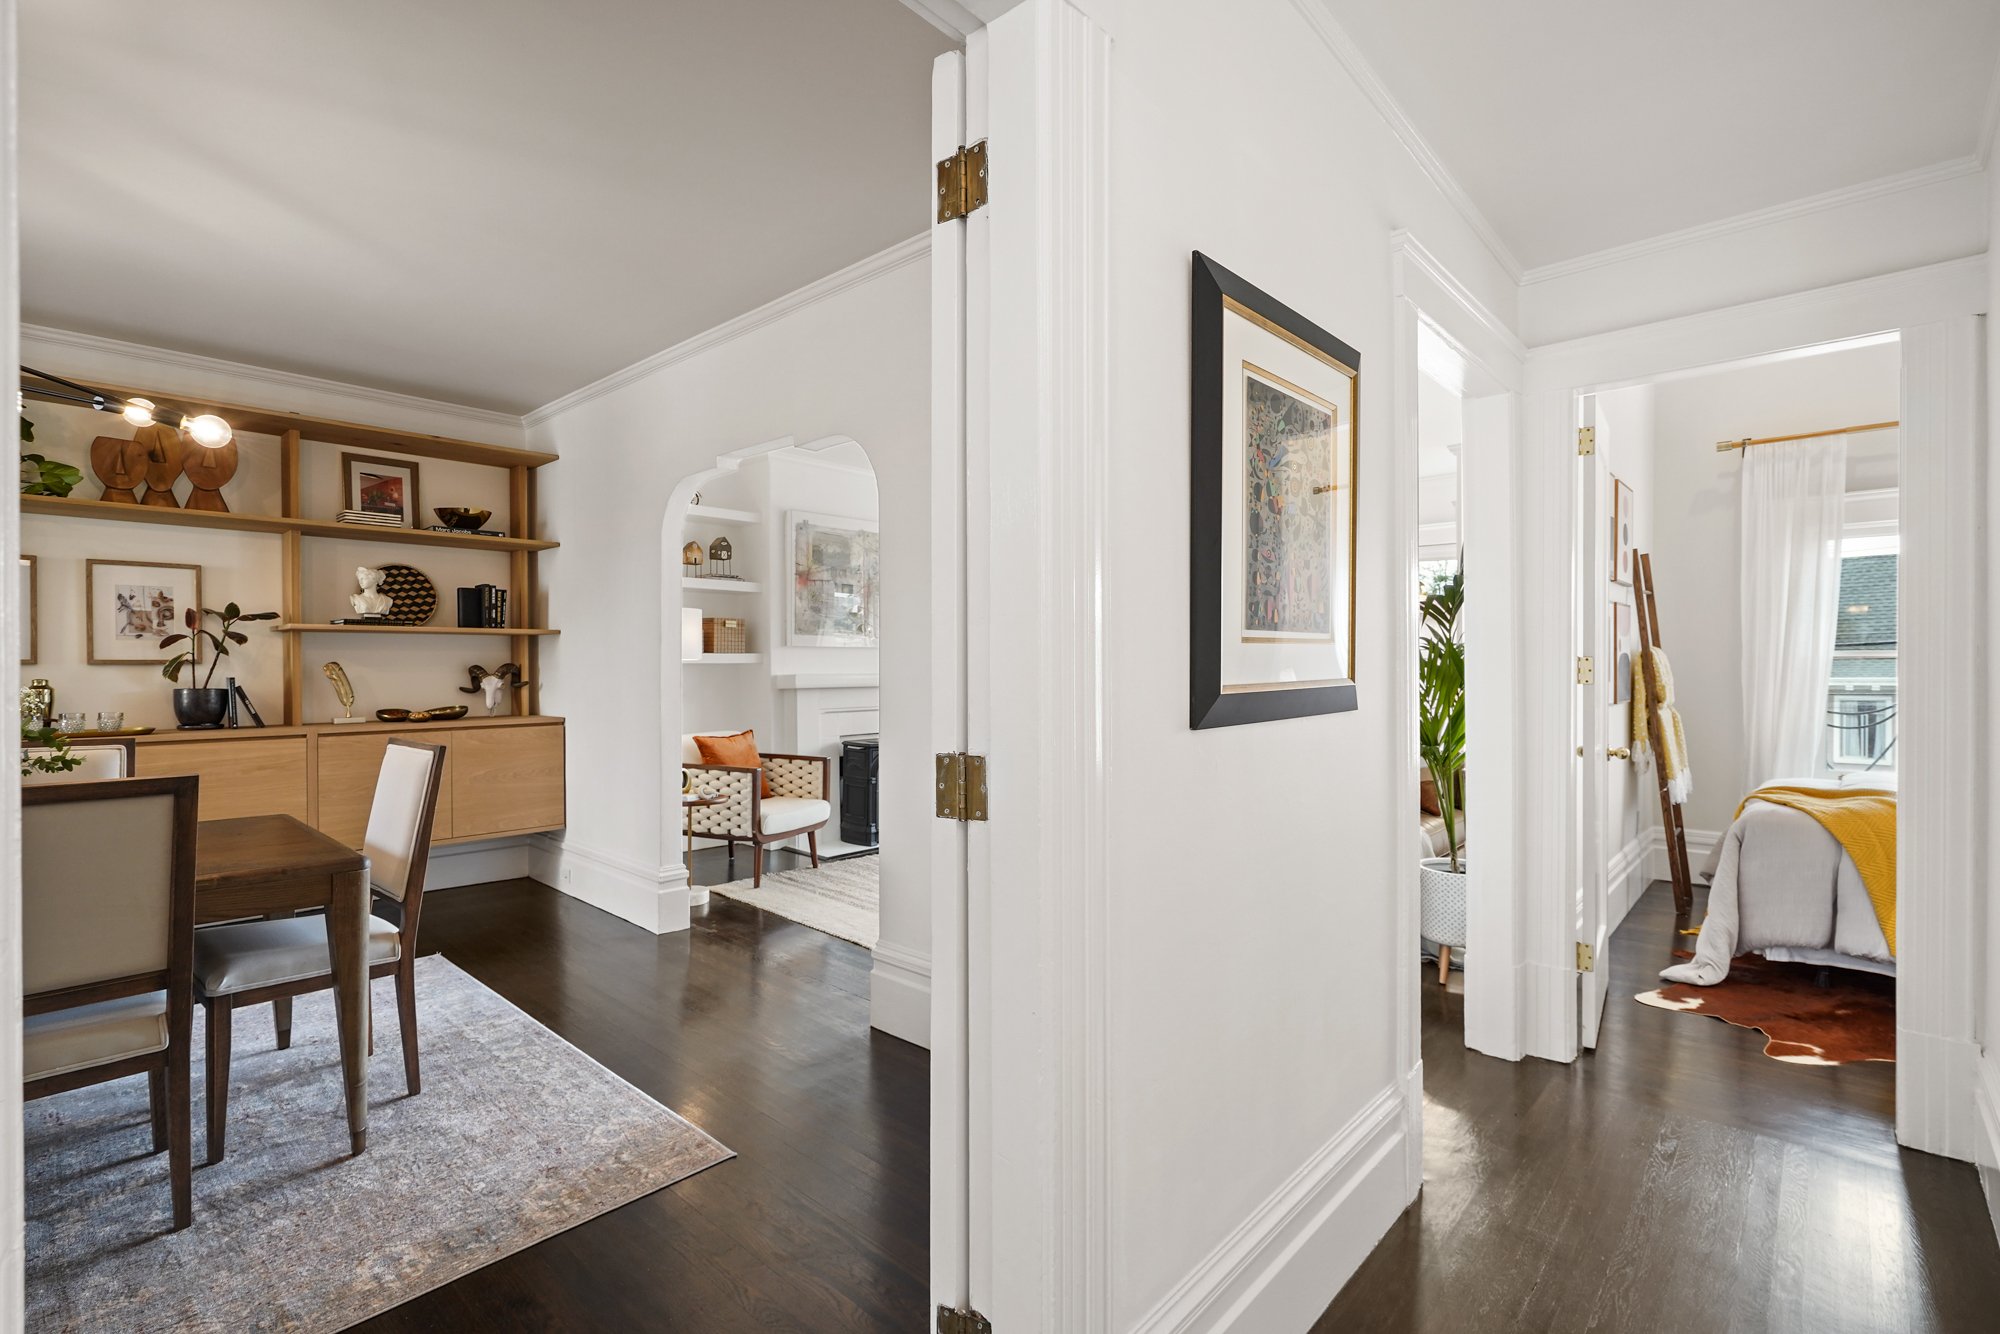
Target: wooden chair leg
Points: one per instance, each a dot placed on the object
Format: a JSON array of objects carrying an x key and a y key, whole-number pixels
[
  {"x": 281, "y": 1020},
  {"x": 1444, "y": 965},
  {"x": 156, "y": 1094},
  {"x": 180, "y": 1129},
  {"x": 757, "y": 872},
  {"x": 812, "y": 841},
  {"x": 220, "y": 1011},
  {"x": 406, "y": 1013}
]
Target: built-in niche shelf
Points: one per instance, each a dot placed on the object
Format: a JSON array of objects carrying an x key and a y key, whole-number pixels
[
  {"x": 702, "y": 584},
  {"x": 720, "y": 514},
  {"x": 722, "y": 659}
]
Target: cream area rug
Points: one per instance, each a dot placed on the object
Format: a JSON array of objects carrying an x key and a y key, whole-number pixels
[
  {"x": 842, "y": 898},
  {"x": 516, "y": 1137}
]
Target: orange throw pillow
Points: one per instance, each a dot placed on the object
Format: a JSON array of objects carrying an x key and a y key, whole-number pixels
[{"x": 738, "y": 749}]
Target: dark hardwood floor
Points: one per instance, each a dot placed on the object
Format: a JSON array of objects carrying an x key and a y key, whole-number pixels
[
  {"x": 1676, "y": 1179},
  {"x": 755, "y": 1029}
]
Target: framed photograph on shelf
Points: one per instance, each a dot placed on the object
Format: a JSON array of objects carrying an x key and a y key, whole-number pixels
[
  {"x": 381, "y": 486},
  {"x": 835, "y": 592},
  {"x": 1621, "y": 532},
  {"x": 129, "y": 605},
  {"x": 27, "y": 593},
  {"x": 1624, "y": 650},
  {"x": 1271, "y": 586}
]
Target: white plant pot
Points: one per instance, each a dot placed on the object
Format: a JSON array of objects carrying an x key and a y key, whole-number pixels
[{"x": 1443, "y": 901}]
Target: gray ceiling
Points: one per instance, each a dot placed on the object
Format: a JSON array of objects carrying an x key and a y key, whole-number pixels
[{"x": 491, "y": 202}]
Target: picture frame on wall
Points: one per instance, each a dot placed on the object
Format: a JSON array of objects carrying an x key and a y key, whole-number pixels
[
  {"x": 129, "y": 605},
  {"x": 381, "y": 486},
  {"x": 1621, "y": 533},
  {"x": 27, "y": 595},
  {"x": 834, "y": 596},
  {"x": 1624, "y": 651},
  {"x": 1273, "y": 453}
]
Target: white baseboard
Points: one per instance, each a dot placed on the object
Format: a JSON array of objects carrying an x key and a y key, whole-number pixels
[
  {"x": 1938, "y": 1088},
  {"x": 1626, "y": 879},
  {"x": 899, "y": 993},
  {"x": 1986, "y": 1114},
  {"x": 477, "y": 863},
  {"x": 656, "y": 899},
  {"x": 1281, "y": 1267},
  {"x": 1413, "y": 1134},
  {"x": 1701, "y": 842},
  {"x": 1549, "y": 1020}
]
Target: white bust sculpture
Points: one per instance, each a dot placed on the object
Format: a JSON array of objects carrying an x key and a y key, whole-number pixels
[{"x": 370, "y": 601}]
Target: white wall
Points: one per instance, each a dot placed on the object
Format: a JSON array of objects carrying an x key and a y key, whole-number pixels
[
  {"x": 1988, "y": 1030},
  {"x": 1252, "y": 998},
  {"x": 1625, "y": 442},
  {"x": 1696, "y": 517},
  {"x": 849, "y": 357}
]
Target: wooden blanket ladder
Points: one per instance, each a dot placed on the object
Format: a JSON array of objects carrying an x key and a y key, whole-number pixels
[{"x": 1670, "y": 812}]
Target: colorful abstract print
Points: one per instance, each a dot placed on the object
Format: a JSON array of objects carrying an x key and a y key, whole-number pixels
[{"x": 1288, "y": 512}]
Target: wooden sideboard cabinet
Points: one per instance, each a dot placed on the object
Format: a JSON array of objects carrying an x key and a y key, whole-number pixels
[{"x": 502, "y": 776}]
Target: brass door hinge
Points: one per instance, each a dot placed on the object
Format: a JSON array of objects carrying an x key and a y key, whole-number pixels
[
  {"x": 961, "y": 786},
  {"x": 1586, "y": 440},
  {"x": 1586, "y": 958},
  {"x": 962, "y": 182},
  {"x": 1586, "y": 671},
  {"x": 952, "y": 1321}
]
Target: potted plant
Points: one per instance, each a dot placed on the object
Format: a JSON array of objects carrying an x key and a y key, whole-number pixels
[
  {"x": 1441, "y": 742},
  {"x": 205, "y": 705},
  {"x": 36, "y": 734}
]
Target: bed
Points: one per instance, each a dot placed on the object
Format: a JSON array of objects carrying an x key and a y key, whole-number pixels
[{"x": 1780, "y": 885}]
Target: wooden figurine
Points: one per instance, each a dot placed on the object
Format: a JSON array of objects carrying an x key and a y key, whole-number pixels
[
  {"x": 119, "y": 464},
  {"x": 165, "y": 455},
  {"x": 210, "y": 470}
]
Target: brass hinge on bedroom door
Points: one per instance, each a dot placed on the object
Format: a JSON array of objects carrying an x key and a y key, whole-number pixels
[
  {"x": 1586, "y": 958},
  {"x": 962, "y": 182},
  {"x": 952, "y": 1321},
  {"x": 961, "y": 786},
  {"x": 1586, "y": 440},
  {"x": 1586, "y": 672}
]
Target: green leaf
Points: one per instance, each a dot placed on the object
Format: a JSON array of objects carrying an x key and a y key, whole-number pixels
[
  {"x": 231, "y": 612},
  {"x": 236, "y": 637},
  {"x": 171, "y": 640}
]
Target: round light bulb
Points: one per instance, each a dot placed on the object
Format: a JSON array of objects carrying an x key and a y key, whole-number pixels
[
  {"x": 208, "y": 430},
  {"x": 139, "y": 411}
]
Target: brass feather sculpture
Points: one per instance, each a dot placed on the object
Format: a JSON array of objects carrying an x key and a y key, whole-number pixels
[{"x": 343, "y": 689}]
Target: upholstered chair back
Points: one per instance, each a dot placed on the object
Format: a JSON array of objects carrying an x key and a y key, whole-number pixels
[
  {"x": 99, "y": 763},
  {"x": 101, "y": 865},
  {"x": 399, "y": 822}
]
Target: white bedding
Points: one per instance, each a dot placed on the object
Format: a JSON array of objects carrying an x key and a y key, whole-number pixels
[{"x": 1782, "y": 886}]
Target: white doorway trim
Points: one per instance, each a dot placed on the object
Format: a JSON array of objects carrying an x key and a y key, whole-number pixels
[
  {"x": 1490, "y": 359},
  {"x": 13, "y": 1295},
  {"x": 1936, "y": 308}
]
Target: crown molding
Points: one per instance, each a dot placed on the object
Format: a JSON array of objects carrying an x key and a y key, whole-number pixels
[
  {"x": 897, "y": 256},
  {"x": 1321, "y": 20},
  {"x": 1936, "y": 174},
  {"x": 1404, "y": 247},
  {"x": 286, "y": 382}
]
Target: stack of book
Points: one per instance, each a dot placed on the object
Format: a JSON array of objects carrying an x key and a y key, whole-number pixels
[
  {"x": 365, "y": 516},
  {"x": 482, "y": 607}
]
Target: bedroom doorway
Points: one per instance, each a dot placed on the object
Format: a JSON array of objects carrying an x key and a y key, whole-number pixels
[{"x": 1761, "y": 501}]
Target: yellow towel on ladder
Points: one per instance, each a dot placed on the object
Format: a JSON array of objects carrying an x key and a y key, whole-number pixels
[
  {"x": 1864, "y": 822},
  {"x": 1674, "y": 764}
]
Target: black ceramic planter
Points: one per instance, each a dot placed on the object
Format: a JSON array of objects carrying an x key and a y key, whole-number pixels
[{"x": 202, "y": 707}]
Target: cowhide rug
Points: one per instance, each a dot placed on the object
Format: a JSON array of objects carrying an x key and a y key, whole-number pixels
[{"x": 1853, "y": 1019}]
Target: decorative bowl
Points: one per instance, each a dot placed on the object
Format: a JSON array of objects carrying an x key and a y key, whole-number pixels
[
  {"x": 458, "y": 516},
  {"x": 445, "y": 714}
]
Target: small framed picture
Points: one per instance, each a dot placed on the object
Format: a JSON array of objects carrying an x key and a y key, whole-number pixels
[
  {"x": 129, "y": 605},
  {"x": 26, "y": 594},
  {"x": 1621, "y": 532},
  {"x": 382, "y": 486},
  {"x": 1624, "y": 649},
  {"x": 836, "y": 590}
]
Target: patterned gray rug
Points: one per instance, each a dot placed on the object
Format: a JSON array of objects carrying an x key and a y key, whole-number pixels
[
  {"x": 516, "y": 1137},
  {"x": 842, "y": 898}
]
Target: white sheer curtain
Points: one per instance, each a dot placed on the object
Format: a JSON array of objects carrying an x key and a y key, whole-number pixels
[{"x": 1790, "y": 574}]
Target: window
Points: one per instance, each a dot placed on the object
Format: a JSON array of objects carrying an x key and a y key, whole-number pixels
[{"x": 1861, "y": 696}]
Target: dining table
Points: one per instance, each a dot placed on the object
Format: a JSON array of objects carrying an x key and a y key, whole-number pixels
[{"x": 274, "y": 866}]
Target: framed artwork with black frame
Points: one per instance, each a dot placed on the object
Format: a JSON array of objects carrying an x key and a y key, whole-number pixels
[
  {"x": 1271, "y": 584},
  {"x": 382, "y": 486}
]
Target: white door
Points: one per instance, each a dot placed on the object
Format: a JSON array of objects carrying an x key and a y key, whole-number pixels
[{"x": 1591, "y": 565}]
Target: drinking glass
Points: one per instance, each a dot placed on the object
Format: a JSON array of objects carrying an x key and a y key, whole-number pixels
[
  {"x": 70, "y": 722},
  {"x": 108, "y": 721}
]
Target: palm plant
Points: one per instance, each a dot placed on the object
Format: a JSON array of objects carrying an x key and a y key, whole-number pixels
[{"x": 1441, "y": 700}]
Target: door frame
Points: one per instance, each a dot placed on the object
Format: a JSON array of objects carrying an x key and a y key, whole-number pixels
[
  {"x": 1938, "y": 310},
  {"x": 1589, "y": 588},
  {"x": 13, "y": 1293}
]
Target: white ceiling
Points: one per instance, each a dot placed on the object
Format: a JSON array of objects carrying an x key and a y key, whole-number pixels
[
  {"x": 1578, "y": 125},
  {"x": 491, "y": 202}
]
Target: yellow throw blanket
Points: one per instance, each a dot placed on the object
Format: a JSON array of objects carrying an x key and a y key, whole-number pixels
[
  {"x": 1863, "y": 821},
  {"x": 1680, "y": 774}
]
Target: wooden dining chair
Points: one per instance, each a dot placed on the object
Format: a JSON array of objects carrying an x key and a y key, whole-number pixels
[
  {"x": 249, "y": 963},
  {"x": 116, "y": 757},
  {"x": 107, "y": 949}
]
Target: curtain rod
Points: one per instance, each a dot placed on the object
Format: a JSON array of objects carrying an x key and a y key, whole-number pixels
[{"x": 1724, "y": 446}]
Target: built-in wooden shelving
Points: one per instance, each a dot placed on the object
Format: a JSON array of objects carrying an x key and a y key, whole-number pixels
[
  {"x": 77, "y": 507},
  {"x": 309, "y": 628}
]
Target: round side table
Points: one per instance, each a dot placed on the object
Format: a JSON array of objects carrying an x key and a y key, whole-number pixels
[{"x": 697, "y": 895}]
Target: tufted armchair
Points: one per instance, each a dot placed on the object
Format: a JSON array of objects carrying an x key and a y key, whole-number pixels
[{"x": 801, "y": 801}]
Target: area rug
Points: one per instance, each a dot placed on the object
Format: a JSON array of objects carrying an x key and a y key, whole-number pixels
[
  {"x": 842, "y": 898},
  {"x": 1852, "y": 1019},
  {"x": 516, "y": 1137}
]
